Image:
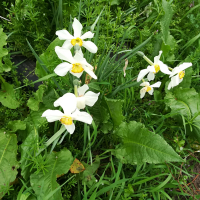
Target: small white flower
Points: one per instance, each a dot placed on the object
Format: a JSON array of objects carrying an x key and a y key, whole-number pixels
[
  {"x": 77, "y": 39},
  {"x": 177, "y": 75},
  {"x": 148, "y": 88},
  {"x": 83, "y": 99},
  {"x": 70, "y": 113},
  {"x": 76, "y": 65},
  {"x": 153, "y": 69}
]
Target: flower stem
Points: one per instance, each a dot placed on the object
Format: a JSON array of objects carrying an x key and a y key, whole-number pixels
[
  {"x": 170, "y": 68},
  {"x": 143, "y": 80},
  {"x": 76, "y": 90},
  {"x": 148, "y": 60},
  {"x": 90, "y": 145}
]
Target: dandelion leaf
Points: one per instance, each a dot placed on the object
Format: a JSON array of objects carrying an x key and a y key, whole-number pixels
[
  {"x": 8, "y": 161},
  {"x": 139, "y": 145},
  {"x": 43, "y": 183}
]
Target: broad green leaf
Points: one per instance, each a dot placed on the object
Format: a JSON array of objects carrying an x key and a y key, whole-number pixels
[
  {"x": 16, "y": 125},
  {"x": 186, "y": 102},
  {"x": 7, "y": 66},
  {"x": 33, "y": 103},
  {"x": 7, "y": 96},
  {"x": 3, "y": 42},
  {"x": 165, "y": 21},
  {"x": 8, "y": 161},
  {"x": 106, "y": 127},
  {"x": 141, "y": 145},
  {"x": 57, "y": 163},
  {"x": 49, "y": 58},
  {"x": 115, "y": 110}
]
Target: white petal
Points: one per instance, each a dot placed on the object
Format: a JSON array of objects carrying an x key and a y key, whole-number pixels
[
  {"x": 90, "y": 46},
  {"x": 157, "y": 58},
  {"x": 64, "y": 35},
  {"x": 184, "y": 66},
  {"x": 170, "y": 85},
  {"x": 175, "y": 71},
  {"x": 88, "y": 34},
  {"x": 90, "y": 72},
  {"x": 68, "y": 102},
  {"x": 70, "y": 128},
  {"x": 67, "y": 45},
  {"x": 82, "y": 117},
  {"x": 175, "y": 81},
  {"x": 145, "y": 84},
  {"x": 80, "y": 52},
  {"x": 91, "y": 98},
  {"x": 156, "y": 84},
  {"x": 63, "y": 68},
  {"x": 78, "y": 75},
  {"x": 64, "y": 54},
  {"x": 142, "y": 92},
  {"x": 142, "y": 73},
  {"x": 78, "y": 58},
  {"x": 151, "y": 76},
  {"x": 82, "y": 89},
  {"x": 151, "y": 91},
  {"x": 80, "y": 102},
  {"x": 77, "y": 26},
  {"x": 52, "y": 115},
  {"x": 151, "y": 68},
  {"x": 164, "y": 68}
]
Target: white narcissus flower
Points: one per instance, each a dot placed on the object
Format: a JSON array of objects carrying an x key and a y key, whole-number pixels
[
  {"x": 83, "y": 99},
  {"x": 77, "y": 39},
  {"x": 70, "y": 113},
  {"x": 177, "y": 75},
  {"x": 153, "y": 69},
  {"x": 76, "y": 65},
  {"x": 148, "y": 88}
]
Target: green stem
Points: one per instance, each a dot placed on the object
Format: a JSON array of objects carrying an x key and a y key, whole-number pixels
[
  {"x": 2, "y": 79},
  {"x": 148, "y": 60},
  {"x": 90, "y": 145},
  {"x": 170, "y": 68},
  {"x": 143, "y": 80},
  {"x": 76, "y": 90}
]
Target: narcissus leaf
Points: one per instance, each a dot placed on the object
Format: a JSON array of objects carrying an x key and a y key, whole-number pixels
[
  {"x": 57, "y": 163},
  {"x": 8, "y": 161},
  {"x": 76, "y": 167},
  {"x": 140, "y": 146}
]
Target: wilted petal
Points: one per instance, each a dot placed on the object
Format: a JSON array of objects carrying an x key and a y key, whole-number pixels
[
  {"x": 68, "y": 102},
  {"x": 82, "y": 89},
  {"x": 67, "y": 45},
  {"x": 157, "y": 58},
  {"x": 63, "y": 68},
  {"x": 52, "y": 115},
  {"x": 156, "y": 84},
  {"x": 64, "y": 54},
  {"x": 151, "y": 76},
  {"x": 88, "y": 34},
  {"x": 82, "y": 117},
  {"x": 64, "y": 35},
  {"x": 142, "y": 73},
  {"x": 91, "y": 98},
  {"x": 90, "y": 46},
  {"x": 70, "y": 128},
  {"x": 90, "y": 72},
  {"x": 77, "y": 26}
]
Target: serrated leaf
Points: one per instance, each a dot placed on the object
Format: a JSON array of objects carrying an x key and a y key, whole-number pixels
[
  {"x": 16, "y": 125},
  {"x": 8, "y": 161},
  {"x": 140, "y": 146},
  {"x": 3, "y": 42},
  {"x": 165, "y": 21},
  {"x": 115, "y": 110},
  {"x": 7, "y": 96},
  {"x": 58, "y": 163},
  {"x": 186, "y": 102},
  {"x": 33, "y": 103}
]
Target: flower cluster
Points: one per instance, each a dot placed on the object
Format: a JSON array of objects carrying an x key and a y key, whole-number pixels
[
  {"x": 72, "y": 103},
  {"x": 175, "y": 74}
]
